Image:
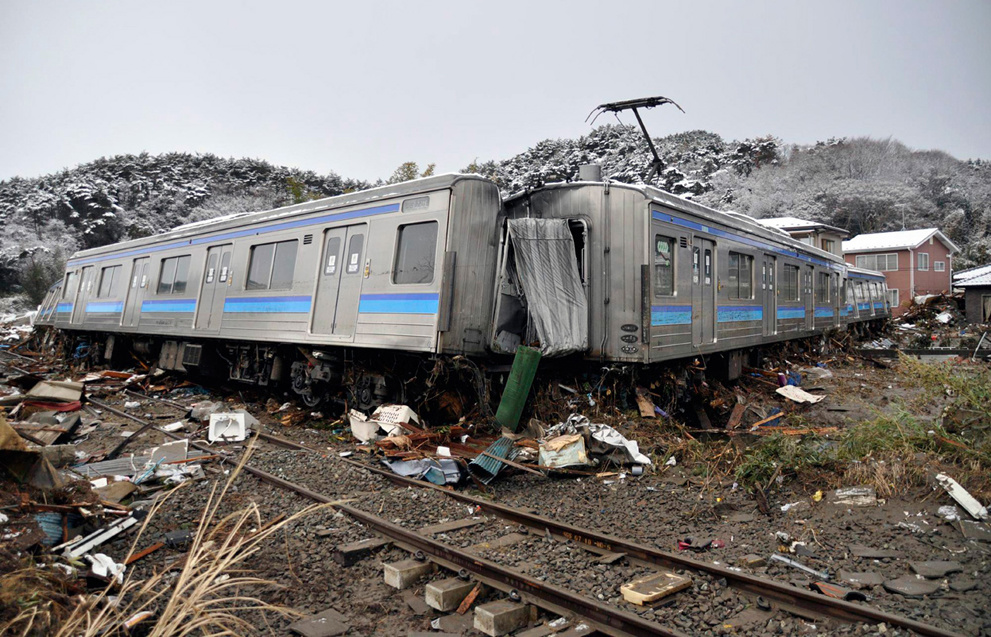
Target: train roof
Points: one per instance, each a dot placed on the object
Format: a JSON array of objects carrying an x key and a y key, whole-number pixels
[
  {"x": 239, "y": 220},
  {"x": 865, "y": 273},
  {"x": 733, "y": 219}
]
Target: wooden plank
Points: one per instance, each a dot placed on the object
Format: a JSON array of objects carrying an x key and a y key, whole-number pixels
[
  {"x": 644, "y": 404},
  {"x": 736, "y": 416}
]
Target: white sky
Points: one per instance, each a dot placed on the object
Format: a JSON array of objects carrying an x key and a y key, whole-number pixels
[{"x": 358, "y": 88}]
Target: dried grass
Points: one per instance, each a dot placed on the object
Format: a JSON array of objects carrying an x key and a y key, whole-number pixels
[{"x": 213, "y": 593}]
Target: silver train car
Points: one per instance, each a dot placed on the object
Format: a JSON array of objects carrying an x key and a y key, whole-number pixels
[{"x": 433, "y": 267}]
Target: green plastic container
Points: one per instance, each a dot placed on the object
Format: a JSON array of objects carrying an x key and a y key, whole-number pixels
[{"x": 517, "y": 387}]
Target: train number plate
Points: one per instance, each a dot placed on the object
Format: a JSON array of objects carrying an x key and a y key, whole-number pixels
[
  {"x": 629, "y": 327},
  {"x": 628, "y": 338},
  {"x": 629, "y": 349}
]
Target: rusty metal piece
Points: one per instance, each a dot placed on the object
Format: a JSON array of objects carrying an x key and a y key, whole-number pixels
[{"x": 469, "y": 599}]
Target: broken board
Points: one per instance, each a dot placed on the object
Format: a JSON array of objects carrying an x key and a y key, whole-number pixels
[{"x": 651, "y": 588}]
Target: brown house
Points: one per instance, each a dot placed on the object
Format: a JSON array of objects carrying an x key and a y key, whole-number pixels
[
  {"x": 914, "y": 262},
  {"x": 815, "y": 234}
]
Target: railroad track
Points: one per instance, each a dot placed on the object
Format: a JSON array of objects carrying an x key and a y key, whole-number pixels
[{"x": 605, "y": 617}]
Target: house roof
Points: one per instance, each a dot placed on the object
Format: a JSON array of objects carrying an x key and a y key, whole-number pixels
[
  {"x": 794, "y": 223},
  {"x": 969, "y": 273},
  {"x": 983, "y": 279},
  {"x": 901, "y": 240},
  {"x": 981, "y": 275}
]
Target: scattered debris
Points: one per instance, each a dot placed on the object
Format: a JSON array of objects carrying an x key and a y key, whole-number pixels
[
  {"x": 823, "y": 575},
  {"x": 386, "y": 420},
  {"x": 911, "y": 586},
  {"x": 798, "y": 395},
  {"x": 653, "y": 587},
  {"x": 855, "y": 496},
  {"x": 228, "y": 427},
  {"x": 963, "y": 498}
]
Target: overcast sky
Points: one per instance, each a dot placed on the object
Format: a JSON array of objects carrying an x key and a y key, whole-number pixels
[{"x": 359, "y": 87}]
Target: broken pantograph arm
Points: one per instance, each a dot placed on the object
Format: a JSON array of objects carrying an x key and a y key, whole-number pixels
[{"x": 633, "y": 105}]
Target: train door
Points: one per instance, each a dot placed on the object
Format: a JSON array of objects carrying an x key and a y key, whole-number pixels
[
  {"x": 703, "y": 292},
  {"x": 810, "y": 300},
  {"x": 837, "y": 301},
  {"x": 216, "y": 278},
  {"x": 335, "y": 310},
  {"x": 135, "y": 292},
  {"x": 82, "y": 295},
  {"x": 770, "y": 293}
]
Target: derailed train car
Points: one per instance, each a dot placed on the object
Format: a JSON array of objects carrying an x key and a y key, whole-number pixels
[{"x": 443, "y": 266}]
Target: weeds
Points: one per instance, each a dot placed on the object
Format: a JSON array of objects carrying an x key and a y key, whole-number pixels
[
  {"x": 781, "y": 455},
  {"x": 967, "y": 385},
  {"x": 210, "y": 594}
]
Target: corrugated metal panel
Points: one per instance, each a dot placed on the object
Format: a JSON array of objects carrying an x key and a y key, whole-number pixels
[
  {"x": 485, "y": 468},
  {"x": 129, "y": 466}
]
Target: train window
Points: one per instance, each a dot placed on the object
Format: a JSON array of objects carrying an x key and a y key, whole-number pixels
[
  {"x": 354, "y": 253},
  {"x": 108, "y": 280},
  {"x": 416, "y": 247},
  {"x": 211, "y": 268},
  {"x": 332, "y": 254},
  {"x": 822, "y": 287},
  {"x": 175, "y": 271},
  {"x": 70, "y": 284},
  {"x": 859, "y": 291},
  {"x": 663, "y": 265},
  {"x": 695, "y": 265},
  {"x": 167, "y": 276},
  {"x": 260, "y": 269},
  {"x": 741, "y": 276},
  {"x": 285, "y": 265},
  {"x": 789, "y": 283},
  {"x": 144, "y": 274},
  {"x": 181, "y": 275},
  {"x": 272, "y": 266},
  {"x": 225, "y": 266}
]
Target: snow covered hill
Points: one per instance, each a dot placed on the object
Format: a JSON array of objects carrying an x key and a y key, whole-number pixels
[{"x": 864, "y": 185}]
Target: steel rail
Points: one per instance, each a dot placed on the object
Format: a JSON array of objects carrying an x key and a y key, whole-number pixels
[
  {"x": 785, "y": 594},
  {"x": 606, "y": 618}
]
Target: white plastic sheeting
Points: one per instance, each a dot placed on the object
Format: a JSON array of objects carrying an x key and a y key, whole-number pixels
[
  {"x": 548, "y": 271},
  {"x": 601, "y": 440}
]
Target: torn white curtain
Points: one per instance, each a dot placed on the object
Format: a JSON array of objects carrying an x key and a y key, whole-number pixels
[{"x": 548, "y": 271}]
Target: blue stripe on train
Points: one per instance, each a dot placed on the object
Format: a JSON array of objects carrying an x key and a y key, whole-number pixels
[
  {"x": 286, "y": 225},
  {"x": 824, "y": 312},
  {"x": 63, "y": 307},
  {"x": 694, "y": 225},
  {"x": 879, "y": 305},
  {"x": 846, "y": 310},
  {"x": 104, "y": 307},
  {"x": 169, "y": 305},
  {"x": 863, "y": 306},
  {"x": 734, "y": 313},
  {"x": 268, "y": 304},
  {"x": 785, "y": 312},
  {"x": 670, "y": 314},
  {"x": 411, "y": 303}
]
